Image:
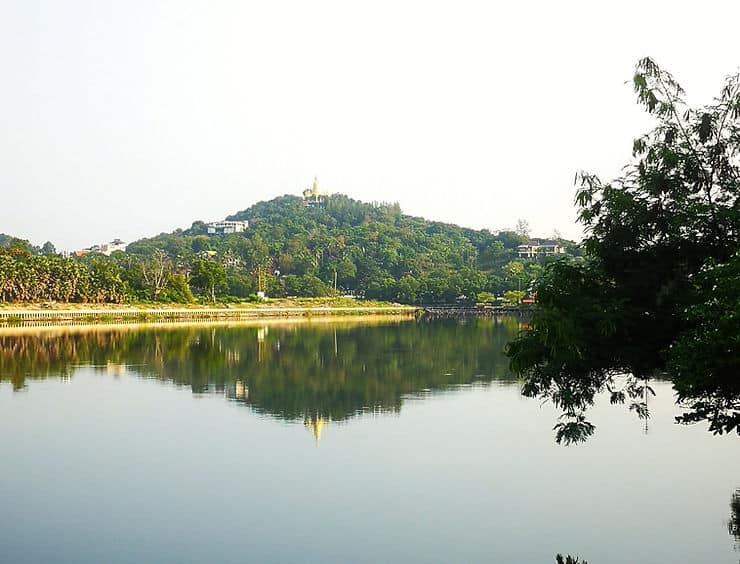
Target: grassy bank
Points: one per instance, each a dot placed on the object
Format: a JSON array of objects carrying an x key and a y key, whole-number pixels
[{"x": 296, "y": 307}]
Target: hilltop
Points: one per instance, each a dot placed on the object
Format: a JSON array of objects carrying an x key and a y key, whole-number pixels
[{"x": 313, "y": 246}]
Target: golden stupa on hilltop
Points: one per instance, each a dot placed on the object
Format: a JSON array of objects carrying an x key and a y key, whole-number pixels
[{"x": 312, "y": 196}]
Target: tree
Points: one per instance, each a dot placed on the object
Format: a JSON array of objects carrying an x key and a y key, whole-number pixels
[
  {"x": 48, "y": 249},
  {"x": 657, "y": 290},
  {"x": 513, "y": 297},
  {"x": 703, "y": 360},
  {"x": 14, "y": 243},
  {"x": 209, "y": 276},
  {"x": 407, "y": 290},
  {"x": 177, "y": 289},
  {"x": 104, "y": 282},
  {"x": 515, "y": 272},
  {"x": 155, "y": 272},
  {"x": 522, "y": 228},
  {"x": 485, "y": 298}
]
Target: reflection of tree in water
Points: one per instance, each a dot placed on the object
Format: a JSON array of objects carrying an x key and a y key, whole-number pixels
[
  {"x": 307, "y": 372},
  {"x": 559, "y": 559},
  {"x": 733, "y": 525}
]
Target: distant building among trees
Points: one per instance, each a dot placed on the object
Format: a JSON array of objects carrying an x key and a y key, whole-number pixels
[
  {"x": 539, "y": 248},
  {"x": 104, "y": 248},
  {"x": 227, "y": 227}
]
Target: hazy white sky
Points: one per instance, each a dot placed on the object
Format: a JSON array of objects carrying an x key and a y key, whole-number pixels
[{"x": 128, "y": 118}]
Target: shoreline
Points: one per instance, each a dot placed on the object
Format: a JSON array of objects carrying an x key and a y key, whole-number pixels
[
  {"x": 55, "y": 328},
  {"x": 23, "y": 315}
]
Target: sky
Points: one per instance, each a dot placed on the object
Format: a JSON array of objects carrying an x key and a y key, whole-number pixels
[{"x": 127, "y": 119}]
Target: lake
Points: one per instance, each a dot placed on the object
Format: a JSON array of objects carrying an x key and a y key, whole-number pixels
[{"x": 371, "y": 441}]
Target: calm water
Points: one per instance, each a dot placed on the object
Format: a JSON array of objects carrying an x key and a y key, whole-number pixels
[{"x": 385, "y": 442}]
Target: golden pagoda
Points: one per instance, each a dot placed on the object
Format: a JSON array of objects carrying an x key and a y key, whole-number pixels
[{"x": 312, "y": 196}]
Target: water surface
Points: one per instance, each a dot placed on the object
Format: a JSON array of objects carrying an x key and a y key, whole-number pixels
[{"x": 381, "y": 442}]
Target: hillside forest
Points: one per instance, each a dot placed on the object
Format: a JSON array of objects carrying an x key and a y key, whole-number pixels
[{"x": 338, "y": 247}]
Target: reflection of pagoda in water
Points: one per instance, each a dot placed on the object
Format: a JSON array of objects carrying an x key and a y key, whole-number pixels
[{"x": 316, "y": 423}]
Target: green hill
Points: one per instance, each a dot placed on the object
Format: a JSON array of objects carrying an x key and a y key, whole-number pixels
[
  {"x": 319, "y": 246},
  {"x": 370, "y": 250}
]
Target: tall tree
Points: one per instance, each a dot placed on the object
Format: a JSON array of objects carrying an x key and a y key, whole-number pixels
[
  {"x": 522, "y": 228},
  {"x": 155, "y": 271},
  {"x": 209, "y": 276},
  {"x": 661, "y": 263}
]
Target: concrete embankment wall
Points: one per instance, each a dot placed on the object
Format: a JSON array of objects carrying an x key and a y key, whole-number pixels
[{"x": 132, "y": 314}]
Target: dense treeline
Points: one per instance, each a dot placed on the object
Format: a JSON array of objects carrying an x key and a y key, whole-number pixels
[
  {"x": 289, "y": 249},
  {"x": 659, "y": 290},
  {"x": 26, "y": 277}
]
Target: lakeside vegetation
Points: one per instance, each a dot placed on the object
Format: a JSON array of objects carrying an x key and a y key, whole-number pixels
[
  {"x": 658, "y": 291},
  {"x": 342, "y": 246}
]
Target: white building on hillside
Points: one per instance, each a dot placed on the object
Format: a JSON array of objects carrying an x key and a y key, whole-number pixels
[
  {"x": 226, "y": 227},
  {"x": 115, "y": 245},
  {"x": 538, "y": 248},
  {"x": 104, "y": 248}
]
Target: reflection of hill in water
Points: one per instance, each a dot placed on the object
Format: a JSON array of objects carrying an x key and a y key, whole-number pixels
[{"x": 292, "y": 372}]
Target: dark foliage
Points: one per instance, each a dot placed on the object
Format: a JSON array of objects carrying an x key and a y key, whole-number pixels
[
  {"x": 733, "y": 525},
  {"x": 559, "y": 559},
  {"x": 657, "y": 292}
]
